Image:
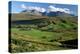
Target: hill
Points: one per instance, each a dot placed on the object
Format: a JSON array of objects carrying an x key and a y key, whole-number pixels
[{"x": 41, "y": 33}]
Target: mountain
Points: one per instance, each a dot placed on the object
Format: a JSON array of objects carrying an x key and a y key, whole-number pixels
[
  {"x": 32, "y": 12},
  {"x": 46, "y": 13}
]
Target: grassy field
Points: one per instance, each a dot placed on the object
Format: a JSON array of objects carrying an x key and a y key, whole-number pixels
[
  {"x": 34, "y": 40},
  {"x": 41, "y": 34}
]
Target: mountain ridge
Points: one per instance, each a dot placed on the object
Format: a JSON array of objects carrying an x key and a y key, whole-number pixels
[{"x": 46, "y": 13}]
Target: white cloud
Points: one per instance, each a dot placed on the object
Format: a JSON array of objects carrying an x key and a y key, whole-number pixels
[
  {"x": 23, "y": 6},
  {"x": 54, "y": 9},
  {"x": 51, "y": 8},
  {"x": 40, "y": 9}
]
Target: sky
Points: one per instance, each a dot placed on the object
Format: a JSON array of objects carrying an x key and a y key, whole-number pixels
[{"x": 18, "y": 6}]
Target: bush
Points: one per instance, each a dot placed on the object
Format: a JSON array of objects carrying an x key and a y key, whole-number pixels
[
  {"x": 53, "y": 40},
  {"x": 44, "y": 37},
  {"x": 42, "y": 25},
  {"x": 43, "y": 29}
]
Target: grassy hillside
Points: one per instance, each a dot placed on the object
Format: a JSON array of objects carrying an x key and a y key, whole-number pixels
[
  {"x": 41, "y": 33},
  {"x": 25, "y": 16}
]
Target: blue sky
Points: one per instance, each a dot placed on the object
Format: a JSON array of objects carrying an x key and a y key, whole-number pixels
[{"x": 18, "y": 6}]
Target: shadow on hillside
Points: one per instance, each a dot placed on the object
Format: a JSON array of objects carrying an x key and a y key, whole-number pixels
[
  {"x": 73, "y": 44},
  {"x": 34, "y": 21}
]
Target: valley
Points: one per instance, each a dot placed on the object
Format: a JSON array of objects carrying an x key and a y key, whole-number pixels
[{"x": 41, "y": 33}]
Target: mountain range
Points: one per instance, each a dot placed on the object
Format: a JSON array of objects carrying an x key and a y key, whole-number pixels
[{"x": 46, "y": 13}]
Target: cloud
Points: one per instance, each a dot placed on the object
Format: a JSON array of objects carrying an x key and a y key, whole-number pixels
[
  {"x": 23, "y": 6},
  {"x": 40, "y": 9},
  {"x": 50, "y": 8},
  {"x": 54, "y": 9}
]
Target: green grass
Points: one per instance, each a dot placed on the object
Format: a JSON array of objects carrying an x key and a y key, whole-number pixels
[
  {"x": 49, "y": 35},
  {"x": 21, "y": 41},
  {"x": 37, "y": 34},
  {"x": 38, "y": 40},
  {"x": 42, "y": 39}
]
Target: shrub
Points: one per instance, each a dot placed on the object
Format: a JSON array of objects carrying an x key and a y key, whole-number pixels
[
  {"x": 44, "y": 37},
  {"x": 44, "y": 29},
  {"x": 52, "y": 40}
]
